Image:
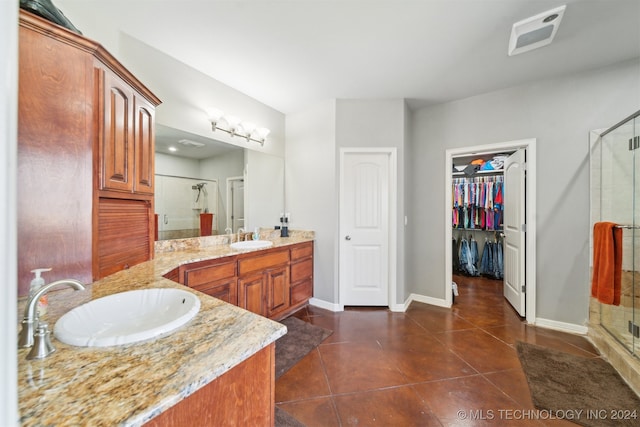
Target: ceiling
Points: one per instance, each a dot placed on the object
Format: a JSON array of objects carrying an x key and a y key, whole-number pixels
[
  {"x": 169, "y": 137},
  {"x": 290, "y": 54}
]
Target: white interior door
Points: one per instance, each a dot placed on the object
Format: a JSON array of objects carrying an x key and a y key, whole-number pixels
[
  {"x": 514, "y": 231},
  {"x": 364, "y": 228},
  {"x": 236, "y": 204}
]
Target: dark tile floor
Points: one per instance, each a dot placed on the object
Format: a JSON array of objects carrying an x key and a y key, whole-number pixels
[{"x": 429, "y": 366}]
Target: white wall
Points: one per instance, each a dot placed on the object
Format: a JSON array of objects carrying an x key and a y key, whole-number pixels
[
  {"x": 264, "y": 190},
  {"x": 185, "y": 92},
  {"x": 8, "y": 244},
  {"x": 177, "y": 166},
  {"x": 312, "y": 155},
  {"x": 378, "y": 123},
  {"x": 310, "y": 182},
  {"x": 559, "y": 113}
]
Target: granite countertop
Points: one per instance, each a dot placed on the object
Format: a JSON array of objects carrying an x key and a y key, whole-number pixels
[{"x": 128, "y": 385}]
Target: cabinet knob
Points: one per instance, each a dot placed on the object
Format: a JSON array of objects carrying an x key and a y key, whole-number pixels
[{"x": 347, "y": 237}]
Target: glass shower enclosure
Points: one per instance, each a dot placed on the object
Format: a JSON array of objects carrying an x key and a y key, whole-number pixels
[{"x": 615, "y": 197}]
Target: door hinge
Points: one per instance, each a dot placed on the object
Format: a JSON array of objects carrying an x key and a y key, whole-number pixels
[
  {"x": 524, "y": 288},
  {"x": 634, "y": 329},
  {"x": 524, "y": 166},
  {"x": 524, "y": 228},
  {"x": 634, "y": 143}
]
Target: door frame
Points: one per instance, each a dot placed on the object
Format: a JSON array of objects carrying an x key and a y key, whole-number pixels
[
  {"x": 230, "y": 180},
  {"x": 529, "y": 145},
  {"x": 392, "y": 155}
]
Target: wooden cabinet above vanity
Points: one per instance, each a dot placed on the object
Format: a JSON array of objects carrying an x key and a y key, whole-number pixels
[
  {"x": 85, "y": 157},
  {"x": 271, "y": 282}
]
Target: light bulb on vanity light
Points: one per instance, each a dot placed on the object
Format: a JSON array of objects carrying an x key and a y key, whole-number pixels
[
  {"x": 214, "y": 116},
  {"x": 247, "y": 129},
  {"x": 262, "y": 134},
  {"x": 233, "y": 123}
]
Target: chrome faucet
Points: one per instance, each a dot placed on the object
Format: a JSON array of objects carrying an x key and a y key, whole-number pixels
[
  {"x": 240, "y": 231},
  {"x": 35, "y": 333},
  {"x": 228, "y": 230}
]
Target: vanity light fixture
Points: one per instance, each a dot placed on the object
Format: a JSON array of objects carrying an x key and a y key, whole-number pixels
[{"x": 234, "y": 126}]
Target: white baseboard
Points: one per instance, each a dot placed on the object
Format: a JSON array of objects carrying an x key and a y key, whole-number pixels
[
  {"x": 401, "y": 308},
  {"x": 427, "y": 300},
  {"x": 562, "y": 326},
  {"x": 325, "y": 305}
]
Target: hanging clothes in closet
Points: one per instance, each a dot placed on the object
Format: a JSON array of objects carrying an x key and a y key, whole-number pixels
[
  {"x": 465, "y": 256},
  {"x": 492, "y": 264},
  {"x": 478, "y": 203}
]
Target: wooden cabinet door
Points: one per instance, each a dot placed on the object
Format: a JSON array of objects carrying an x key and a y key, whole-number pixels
[
  {"x": 277, "y": 282},
  {"x": 144, "y": 146},
  {"x": 117, "y": 136},
  {"x": 251, "y": 293}
]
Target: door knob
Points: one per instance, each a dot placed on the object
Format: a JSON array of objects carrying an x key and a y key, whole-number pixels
[{"x": 347, "y": 238}]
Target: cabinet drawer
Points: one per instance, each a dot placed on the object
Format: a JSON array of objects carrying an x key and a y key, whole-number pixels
[
  {"x": 262, "y": 262},
  {"x": 201, "y": 273},
  {"x": 303, "y": 250},
  {"x": 226, "y": 290},
  {"x": 301, "y": 270},
  {"x": 301, "y": 292}
]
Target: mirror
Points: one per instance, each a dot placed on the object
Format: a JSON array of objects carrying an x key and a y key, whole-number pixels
[{"x": 208, "y": 187}]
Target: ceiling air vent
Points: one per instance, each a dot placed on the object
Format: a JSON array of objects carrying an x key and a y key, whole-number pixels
[
  {"x": 535, "y": 32},
  {"x": 189, "y": 143}
]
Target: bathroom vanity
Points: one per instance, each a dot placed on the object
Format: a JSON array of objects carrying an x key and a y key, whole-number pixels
[
  {"x": 184, "y": 378},
  {"x": 271, "y": 282}
]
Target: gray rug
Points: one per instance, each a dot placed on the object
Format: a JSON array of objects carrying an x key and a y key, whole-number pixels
[
  {"x": 301, "y": 338},
  {"x": 284, "y": 419},
  {"x": 588, "y": 390}
]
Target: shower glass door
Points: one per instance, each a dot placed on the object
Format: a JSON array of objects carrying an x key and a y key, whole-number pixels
[
  {"x": 634, "y": 294},
  {"x": 620, "y": 203}
]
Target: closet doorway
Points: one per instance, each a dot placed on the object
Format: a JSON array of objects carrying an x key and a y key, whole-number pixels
[{"x": 514, "y": 232}]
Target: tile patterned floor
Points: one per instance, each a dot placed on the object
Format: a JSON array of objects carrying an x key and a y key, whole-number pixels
[{"x": 429, "y": 366}]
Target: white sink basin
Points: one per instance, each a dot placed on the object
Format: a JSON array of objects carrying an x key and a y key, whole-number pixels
[
  {"x": 251, "y": 244},
  {"x": 127, "y": 317}
]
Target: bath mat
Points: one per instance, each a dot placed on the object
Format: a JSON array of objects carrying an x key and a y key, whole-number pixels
[
  {"x": 589, "y": 391},
  {"x": 301, "y": 338},
  {"x": 284, "y": 419}
]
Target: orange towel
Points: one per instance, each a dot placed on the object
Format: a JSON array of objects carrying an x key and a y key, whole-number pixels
[{"x": 607, "y": 262}]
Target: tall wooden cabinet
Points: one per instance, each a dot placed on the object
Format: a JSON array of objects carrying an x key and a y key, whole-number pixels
[{"x": 85, "y": 157}]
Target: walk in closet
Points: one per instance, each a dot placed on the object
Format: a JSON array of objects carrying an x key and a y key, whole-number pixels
[
  {"x": 491, "y": 220},
  {"x": 477, "y": 214}
]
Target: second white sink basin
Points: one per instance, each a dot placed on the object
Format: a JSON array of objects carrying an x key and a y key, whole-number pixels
[
  {"x": 251, "y": 244},
  {"x": 127, "y": 317}
]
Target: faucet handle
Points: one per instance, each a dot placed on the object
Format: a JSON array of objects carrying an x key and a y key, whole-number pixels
[{"x": 42, "y": 346}]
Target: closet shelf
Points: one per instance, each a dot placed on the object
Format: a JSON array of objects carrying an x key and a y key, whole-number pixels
[{"x": 482, "y": 173}]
